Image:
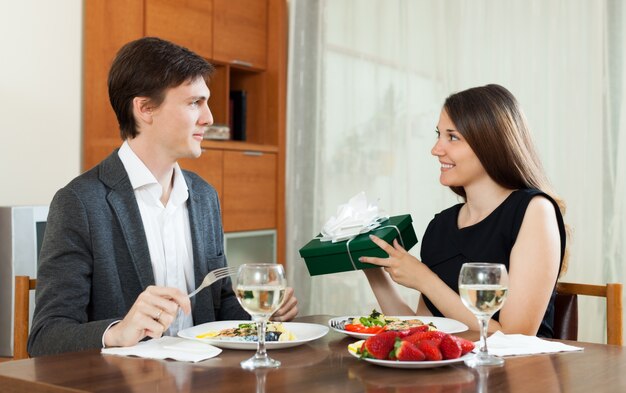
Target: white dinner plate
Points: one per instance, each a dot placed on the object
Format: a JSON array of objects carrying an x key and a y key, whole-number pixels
[
  {"x": 446, "y": 325},
  {"x": 304, "y": 333},
  {"x": 407, "y": 364}
]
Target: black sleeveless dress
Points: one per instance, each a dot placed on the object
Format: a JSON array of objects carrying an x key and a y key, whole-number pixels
[{"x": 445, "y": 247}]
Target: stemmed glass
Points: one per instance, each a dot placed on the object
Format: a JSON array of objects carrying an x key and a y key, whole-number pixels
[
  {"x": 483, "y": 288},
  {"x": 260, "y": 289}
]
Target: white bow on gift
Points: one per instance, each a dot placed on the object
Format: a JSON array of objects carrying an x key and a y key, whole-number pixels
[{"x": 353, "y": 218}]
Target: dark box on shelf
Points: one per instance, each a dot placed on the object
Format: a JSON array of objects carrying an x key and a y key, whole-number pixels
[
  {"x": 327, "y": 257},
  {"x": 238, "y": 113}
]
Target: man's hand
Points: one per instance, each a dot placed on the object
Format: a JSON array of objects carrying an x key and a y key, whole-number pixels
[
  {"x": 152, "y": 313},
  {"x": 289, "y": 309}
]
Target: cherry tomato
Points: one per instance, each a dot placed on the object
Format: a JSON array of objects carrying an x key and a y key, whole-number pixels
[{"x": 358, "y": 328}]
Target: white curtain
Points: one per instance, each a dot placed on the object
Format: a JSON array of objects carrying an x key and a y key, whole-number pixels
[
  {"x": 614, "y": 146},
  {"x": 367, "y": 79}
]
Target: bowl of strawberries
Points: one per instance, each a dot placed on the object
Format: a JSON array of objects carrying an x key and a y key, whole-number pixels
[{"x": 413, "y": 348}]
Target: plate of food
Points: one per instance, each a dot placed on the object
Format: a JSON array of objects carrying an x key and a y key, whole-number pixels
[
  {"x": 412, "y": 354},
  {"x": 243, "y": 334},
  {"x": 366, "y": 326}
]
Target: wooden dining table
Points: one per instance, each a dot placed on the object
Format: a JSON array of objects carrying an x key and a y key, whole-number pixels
[{"x": 323, "y": 365}]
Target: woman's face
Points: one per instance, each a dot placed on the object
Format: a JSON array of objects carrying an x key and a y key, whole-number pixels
[{"x": 460, "y": 166}]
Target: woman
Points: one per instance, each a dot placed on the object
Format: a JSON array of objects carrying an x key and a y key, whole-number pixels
[{"x": 510, "y": 216}]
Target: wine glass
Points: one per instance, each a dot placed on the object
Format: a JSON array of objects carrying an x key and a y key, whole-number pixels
[
  {"x": 260, "y": 289},
  {"x": 483, "y": 288}
]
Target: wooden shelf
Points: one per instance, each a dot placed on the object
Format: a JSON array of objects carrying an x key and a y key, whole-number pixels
[{"x": 240, "y": 146}]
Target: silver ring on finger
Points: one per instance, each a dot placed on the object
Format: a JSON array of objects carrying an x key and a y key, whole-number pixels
[{"x": 158, "y": 315}]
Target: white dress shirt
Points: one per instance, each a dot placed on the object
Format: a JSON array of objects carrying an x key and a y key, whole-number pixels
[{"x": 166, "y": 227}]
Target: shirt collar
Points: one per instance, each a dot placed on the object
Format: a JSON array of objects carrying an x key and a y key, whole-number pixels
[
  {"x": 138, "y": 172},
  {"x": 180, "y": 191},
  {"x": 140, "y": 176}
]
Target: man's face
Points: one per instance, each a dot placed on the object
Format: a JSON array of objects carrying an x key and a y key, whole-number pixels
[{"x": 181, "y": 120}]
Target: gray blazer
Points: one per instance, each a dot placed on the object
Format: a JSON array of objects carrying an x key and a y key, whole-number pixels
[{"x": 95, "y": 261}]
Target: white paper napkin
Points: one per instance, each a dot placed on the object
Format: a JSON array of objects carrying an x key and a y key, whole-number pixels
[
  {"x": 168, "y": 348},
  {"x": 501, "y": 344}
]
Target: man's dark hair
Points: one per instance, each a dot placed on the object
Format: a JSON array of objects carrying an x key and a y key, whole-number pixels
[{"x": 147, "y": 67}]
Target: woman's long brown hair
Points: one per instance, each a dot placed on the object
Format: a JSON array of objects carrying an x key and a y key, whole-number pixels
[{"x": 492, "y": 122}]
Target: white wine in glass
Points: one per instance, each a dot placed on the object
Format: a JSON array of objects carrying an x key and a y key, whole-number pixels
[
  {"x": 260, "y": 289},
  {"x": 483, "y": 288}
]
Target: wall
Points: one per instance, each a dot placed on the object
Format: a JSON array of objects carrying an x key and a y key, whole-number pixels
[{"x": 40, "y": 98}]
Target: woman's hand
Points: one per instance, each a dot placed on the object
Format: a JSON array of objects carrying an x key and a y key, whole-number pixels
[
  {"x": 152, "y": 313},
  {"x": 402, "y": 267}
]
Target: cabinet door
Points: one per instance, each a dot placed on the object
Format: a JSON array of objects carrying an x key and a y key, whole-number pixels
[
  {"x": 240, "y": 32},
  {"x": 249, "y": 191},
  {"x": 108, "y": 25},
  {"x": 184, "y": 22},
  {"x": 209, "y": 166}
]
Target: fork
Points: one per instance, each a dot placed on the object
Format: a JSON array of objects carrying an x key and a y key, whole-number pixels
[
  {"x": 214, "y": 276},
  {"x": 339, "y": 324}
]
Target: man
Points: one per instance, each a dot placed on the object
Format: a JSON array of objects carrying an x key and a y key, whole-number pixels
[{"x": 129, "y": 239}]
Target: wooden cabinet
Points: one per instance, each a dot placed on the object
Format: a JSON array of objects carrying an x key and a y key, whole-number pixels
[
  {"x": 108, "y": 26},
  {"x": 246, "y": 40},
  {"x": 249, "y": 190},
  {"x": 186, "y": 22},
  {"x": 240, "y": 31},
  {"x": 229, "y": 31},
  {"x": 210, "y": 165}
]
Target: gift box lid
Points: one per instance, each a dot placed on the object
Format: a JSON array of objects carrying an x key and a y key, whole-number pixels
[{"x": 361, "y": 242}]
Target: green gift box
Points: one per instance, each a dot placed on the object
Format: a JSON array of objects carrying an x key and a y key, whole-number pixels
[{"x": 328, "y": 257}]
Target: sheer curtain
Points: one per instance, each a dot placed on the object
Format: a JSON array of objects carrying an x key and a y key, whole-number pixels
[
  {"x": 614, "y": 146},
  {"x": 367, "y": 79}
]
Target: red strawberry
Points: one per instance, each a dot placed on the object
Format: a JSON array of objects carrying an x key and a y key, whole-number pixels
[
  {"x": 430, "y": 350},
  {"x": 450, "y": 348},
  {"x": 466, "y": 345},
  {"x": 433, "y": 335},
  {"x": 404, "y": 350},
  {"x": 381, "y": 344}
]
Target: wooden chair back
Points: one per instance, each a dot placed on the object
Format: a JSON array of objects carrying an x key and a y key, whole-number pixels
[
  {"x": 23, "y": 286},
  {"x": 566, "y": 309}
]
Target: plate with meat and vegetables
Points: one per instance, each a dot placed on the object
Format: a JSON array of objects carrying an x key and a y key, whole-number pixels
[
  {"x": 362, "y": 327},
  {"x": 243, "y": 334}
]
